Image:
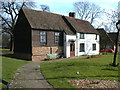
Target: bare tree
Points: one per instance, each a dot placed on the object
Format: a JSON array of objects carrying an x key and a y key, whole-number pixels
[
  {"x": 45, "y": 8},
  {"x": 112, "y": 18},
  {"x": 5, "y": 39},
  {"x": 9, "y": 16},
  {"x": 87, "y": 11}
]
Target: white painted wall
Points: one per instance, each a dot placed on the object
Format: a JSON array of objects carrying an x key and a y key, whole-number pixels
[{"x": 88, "y": 41}]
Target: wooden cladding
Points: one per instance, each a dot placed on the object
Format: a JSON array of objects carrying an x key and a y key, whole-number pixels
[
  {"x": 22, "y": 35},
  {"x": 50, "y": 38}
]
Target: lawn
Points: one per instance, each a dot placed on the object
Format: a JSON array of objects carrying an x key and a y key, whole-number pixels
[
  {"x": 58, "y": 73},
  {"x": 9, "y": 67}
]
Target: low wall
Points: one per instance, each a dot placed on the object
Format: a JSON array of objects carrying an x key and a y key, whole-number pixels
[{"x": 40, "y": 53}]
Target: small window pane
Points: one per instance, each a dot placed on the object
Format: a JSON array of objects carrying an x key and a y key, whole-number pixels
[
  {"x": 43, "y": 38},
  {"x": 70, "y": 47},
  {"x": 56, "y": 38},
  {"x": 94, "y": 46},
  {"x": 82, "y": 36},
  {"x": 82, "y": 47},
  {"x": 96, "y": 37}
]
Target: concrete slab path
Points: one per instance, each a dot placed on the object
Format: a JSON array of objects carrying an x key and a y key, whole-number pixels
[{"x": 29, "y": 76}]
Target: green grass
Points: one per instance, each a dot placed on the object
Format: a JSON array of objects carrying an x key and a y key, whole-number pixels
[
  {"x": 58, "y": 73},
  {"x": 3, "y": 49},
  {"x": 9, "y": 67}
]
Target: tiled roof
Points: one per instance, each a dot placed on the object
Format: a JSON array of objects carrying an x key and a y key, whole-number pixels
[
  {"x": 81, "y": 25},
  {"x": 113, "y": 36},
  {"x": 104, "y": 37},
  {"x": 51, "y": 21}
]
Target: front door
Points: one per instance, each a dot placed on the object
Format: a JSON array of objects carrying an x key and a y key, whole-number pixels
[{"x": 72, "y": 49}]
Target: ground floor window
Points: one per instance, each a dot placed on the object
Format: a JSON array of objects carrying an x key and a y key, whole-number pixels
[
  {"x": 43, "y": 38},
  {"x": 82, "y": 47},
  {"x": 57, "y": 38},
  {"x": 94, "y": 47}
]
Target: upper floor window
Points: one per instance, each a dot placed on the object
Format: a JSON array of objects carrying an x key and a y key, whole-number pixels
[
  {"x": 94, "y": 47},
  {"x": 82, "y": 36},
  {"x": 56, "y": 38},
  {"x": 43, "y": 38},
  {"x": 96, "y": 37},
  {"x": 82, "y": 47}
]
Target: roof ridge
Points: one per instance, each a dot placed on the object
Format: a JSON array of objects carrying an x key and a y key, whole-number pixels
[
  {"x": 69, "y": 24},
  {"x": 77, "y": 19},
  {"x": 55, "y": 14},
  {"x": 112, "y": 32},
  {"x": 41, "y": 11}
]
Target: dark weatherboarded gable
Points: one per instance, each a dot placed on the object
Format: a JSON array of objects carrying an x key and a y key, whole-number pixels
[{"x": 22, "y": 35}]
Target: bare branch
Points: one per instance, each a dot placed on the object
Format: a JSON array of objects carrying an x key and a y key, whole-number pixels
[
  {"x": 45, "y": 8},
  {"x": 112, "y": 16},
  {"x": 10, "y": 12},
  {"x": 6, "y": 22},
  {"x": 87, "y": 11}
]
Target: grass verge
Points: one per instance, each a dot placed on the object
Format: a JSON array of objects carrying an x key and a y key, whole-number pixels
[
  {"x": 58, "y": 73},
  {"x": 9, "y": 67}
]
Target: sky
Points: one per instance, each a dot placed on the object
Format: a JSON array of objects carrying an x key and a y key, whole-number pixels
[{"x": 65, "y": 6}]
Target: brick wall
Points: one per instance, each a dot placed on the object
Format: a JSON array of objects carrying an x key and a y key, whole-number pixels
[
  {"x": 40, "y": 53},
  {"x": 38, "y": 58}
]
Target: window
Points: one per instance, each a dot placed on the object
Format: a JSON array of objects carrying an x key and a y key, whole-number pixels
[
  {"x": 96, "y": 37},
  {"x": 94, "y": 47},
  {"x": 82, "y": 36},
  {"x": 43, "y": 38},
  {"x": 82, "y": 47},
  {"x": 56, "y": 38}
]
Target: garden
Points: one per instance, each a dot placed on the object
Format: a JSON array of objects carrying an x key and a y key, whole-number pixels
[
  {"x": 10, "y": 65},
  {"x": 63, "y": 74}
]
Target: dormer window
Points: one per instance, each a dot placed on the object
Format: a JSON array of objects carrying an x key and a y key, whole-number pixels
[{"x": 82, "y": 36}]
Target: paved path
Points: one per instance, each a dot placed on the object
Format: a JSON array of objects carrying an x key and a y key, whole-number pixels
[{"x": 29, "y": 76}]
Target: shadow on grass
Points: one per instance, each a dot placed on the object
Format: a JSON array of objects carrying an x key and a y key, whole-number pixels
[
  {"x": 109, "y": 69},
  {"x": 13, "y": 56}
]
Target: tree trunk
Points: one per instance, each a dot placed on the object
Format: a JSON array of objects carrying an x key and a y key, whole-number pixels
[
  {"x": 11, "y": 43},
  {"x": 105, "y": 49},
  {"x": 116, "y": 44},
  {"x": 116, "y": 49}
]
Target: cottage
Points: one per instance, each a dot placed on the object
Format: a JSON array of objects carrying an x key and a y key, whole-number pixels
[
  {"x": 39, "y": 33},
  {"x": 105, "y": 40},
  {"x": 108, "y": 40},
  {"x": 113, "y": 36}
]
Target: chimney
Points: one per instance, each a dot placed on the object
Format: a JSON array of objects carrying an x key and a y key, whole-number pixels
[{"x": 72, "y": 14}]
